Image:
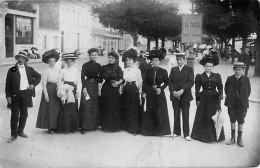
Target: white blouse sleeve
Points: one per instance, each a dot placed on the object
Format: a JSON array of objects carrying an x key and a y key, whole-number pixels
[
  {"x": 44, "y": 81},
  {"x": 139, "y": 78},
  {"x": 78, "y": 80}
]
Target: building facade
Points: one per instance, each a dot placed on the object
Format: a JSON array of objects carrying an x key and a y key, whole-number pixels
[{"x": 19, "y": 24}]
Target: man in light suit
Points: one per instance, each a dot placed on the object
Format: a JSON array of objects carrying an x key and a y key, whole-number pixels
[
  {"x": 20, "y": 84},
  {"x": 181, "y": 80}
]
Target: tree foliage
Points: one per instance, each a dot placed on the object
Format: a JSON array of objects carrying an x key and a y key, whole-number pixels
[{"x": 145, "y": 17}]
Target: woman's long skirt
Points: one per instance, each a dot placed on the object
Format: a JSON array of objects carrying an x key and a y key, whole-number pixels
[
  {"x": 155, "y": 120},
  {"x": 48, "y": 111},
  {"x": 203, "y": 127},
  {"x": 68, "y": 115},
  {"x": 130, "y": 108},
  {"x": 89, "y": 116},
  {"x": 110, "y": 107}
]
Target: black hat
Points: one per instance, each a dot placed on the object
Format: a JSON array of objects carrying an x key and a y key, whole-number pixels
[
  {"x": 70, "y": 56},
  {"x": 24, "y": 54},
  {"x": 180, "y": 55},
  {"x": 155, "y": 54},
  {"x": 209, "y": 58},
  {"x": 131, "y": 53},
  {"x": 90, "y": 51},
  {"x": 239, "y": 65},
  {"x": 50, "y": 54}
]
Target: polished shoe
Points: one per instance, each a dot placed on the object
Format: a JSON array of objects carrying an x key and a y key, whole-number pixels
[
  {"x": 188, "y": 138},
  {"x": 231, "y": 141},
  {"x": 22, "y": 134},
  {"x": 11, "y": 139},
  {"x": 135, "y": 133},
  {"x": 83, "y": 132},
  {"x": 240, "y": 143},
  {"x": 175, "y": 135}
]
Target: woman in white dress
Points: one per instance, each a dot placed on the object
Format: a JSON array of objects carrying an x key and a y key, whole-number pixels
[
  {"x": 130, "y": 99},
  {"x": 49, "y": 106},
  {"x": 68, "y": 90}
]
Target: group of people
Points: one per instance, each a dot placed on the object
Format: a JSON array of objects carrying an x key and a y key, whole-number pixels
[{"x": 132, "y": 99}]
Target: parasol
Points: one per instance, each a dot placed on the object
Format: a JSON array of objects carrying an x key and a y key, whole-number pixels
[{"x": 218, "y": 119}]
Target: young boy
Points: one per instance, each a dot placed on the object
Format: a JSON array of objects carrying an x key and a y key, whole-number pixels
[
  {"x": 237, "y": 89},
  {"x": 181, "y": 80}
]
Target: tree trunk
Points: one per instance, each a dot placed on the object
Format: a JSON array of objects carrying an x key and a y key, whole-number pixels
[
  {"x": 163, "y": 42},
  {"x": 148, "y": 44},
  {"x": 257, "y": 56},
  {"x": 157, "y": 42},
  {"x": 134, "y": 35},
  {"x": 244, "y": 39}
]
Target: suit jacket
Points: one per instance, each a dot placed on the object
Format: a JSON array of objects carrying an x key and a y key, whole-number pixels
[
  {"x": 144, "y": 66},
  {"x": 231, "y": 93},
  {"x": 183, "y": 79},
  {"x": 12, "y": 86}
]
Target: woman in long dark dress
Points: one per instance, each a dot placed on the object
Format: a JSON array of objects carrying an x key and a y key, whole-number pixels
[
  {"x": 89, "y": 117},
  {"x": 49, "y": 106},
  {"x": 112, "y": 76},
  {"x": 208, "y": 101},
  {"x": 130, "y": 99},
  {"x": 68, "y": 90},
  {"x": 155, "y": 120}
]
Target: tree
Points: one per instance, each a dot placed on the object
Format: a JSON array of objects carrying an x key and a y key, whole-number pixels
[
  {"x": 230, "y": 18},
  {"x": 135, "y": 17}
]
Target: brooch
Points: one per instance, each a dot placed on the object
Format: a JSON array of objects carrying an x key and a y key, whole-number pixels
[{"x": 13, "y": 69}]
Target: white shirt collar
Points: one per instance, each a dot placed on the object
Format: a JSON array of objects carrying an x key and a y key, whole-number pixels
[
  {"x": 20, "y": 66},
  {"x": 180, "y": 67}
]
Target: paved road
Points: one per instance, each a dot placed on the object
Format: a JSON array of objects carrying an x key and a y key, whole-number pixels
[{"x": 120, "y": 149}]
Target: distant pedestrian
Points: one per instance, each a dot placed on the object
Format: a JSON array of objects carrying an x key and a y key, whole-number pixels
[
  {"x": 20, "y": 84},
  {"x": 130, "y": 98},
  {"x": 154, "y": 116},
  {"x": 246, "y": 58},
  {"x": 208, "y": 101},
  {"x": 69, "y": 87},
  {"x": 181, "y": 80},
  {"x": 238, "y": 90},
  {"x": 89, "y": 115},
  {"x": 145, "y": 64},
  {"x": 112, "y": 75},
  {"x": 49, "y": 106}
]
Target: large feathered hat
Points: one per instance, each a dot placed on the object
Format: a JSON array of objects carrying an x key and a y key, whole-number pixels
[
  {"x": 50, "y": 54},
  {"x": 209, "y": 58},
  {"x": 155, "y": 54}
]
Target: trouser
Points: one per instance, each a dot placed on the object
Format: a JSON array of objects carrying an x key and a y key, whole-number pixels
[
  {"x": 178, "y": 107},
  {"x": 19, "y": 106},
  {"x": 246, "y": 69}
]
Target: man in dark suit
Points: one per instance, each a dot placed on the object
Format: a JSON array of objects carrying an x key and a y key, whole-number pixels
[
  {"x": 238, "y": 90},
  {"x": 246, "y": 58},
  {"x": 20, "y": 84},
  {"x": 181, "y": 80},
  {"x": 145, "y": 64}
]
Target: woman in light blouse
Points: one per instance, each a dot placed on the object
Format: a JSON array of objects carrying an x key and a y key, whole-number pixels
[
  {"x": 130, "y": 99},
  {"x": 70, "y": 78},
  {"x": 49, "y": 106}
]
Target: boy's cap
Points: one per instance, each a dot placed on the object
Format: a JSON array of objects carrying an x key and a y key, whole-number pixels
[{"x": 239, "y": 65}]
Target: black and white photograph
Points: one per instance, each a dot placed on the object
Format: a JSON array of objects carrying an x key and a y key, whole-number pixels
[{"x": 129, "y": 83}]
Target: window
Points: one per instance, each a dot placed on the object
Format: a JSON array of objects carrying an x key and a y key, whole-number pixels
[{"x": 24, "y": 30}]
